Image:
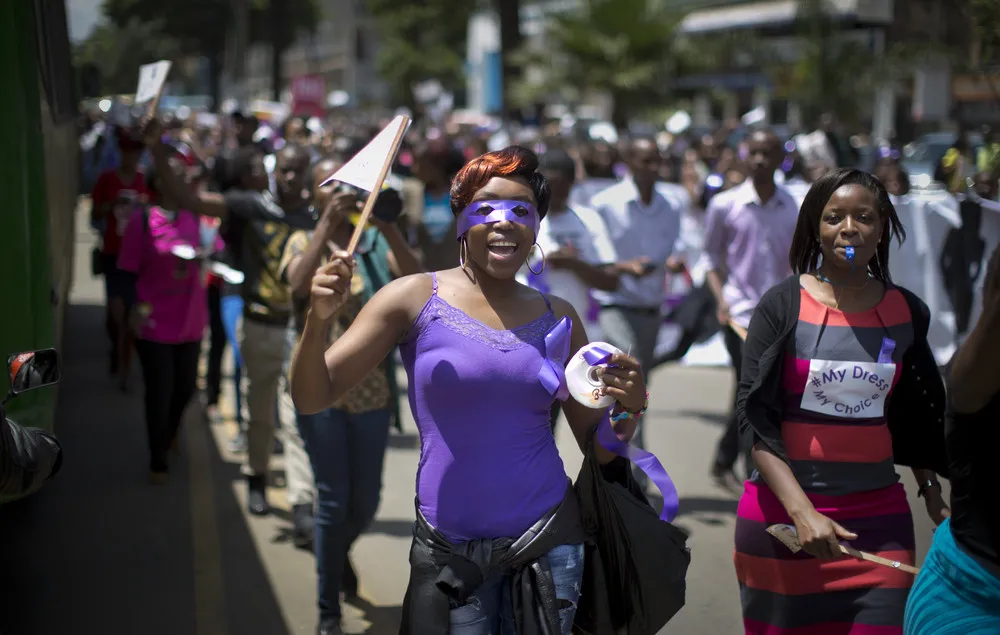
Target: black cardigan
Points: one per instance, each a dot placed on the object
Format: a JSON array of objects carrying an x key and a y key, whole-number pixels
[{"x": 916, "y": 406}]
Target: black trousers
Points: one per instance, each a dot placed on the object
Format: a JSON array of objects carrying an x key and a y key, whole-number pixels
[
  {"x": 170, "y": 374},
  {"x": 217, "y": 345},
  {"x": 731, "y": 445}
]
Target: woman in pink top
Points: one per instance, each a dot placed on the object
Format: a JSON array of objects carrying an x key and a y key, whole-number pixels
[{"x": 172, "y": 312}]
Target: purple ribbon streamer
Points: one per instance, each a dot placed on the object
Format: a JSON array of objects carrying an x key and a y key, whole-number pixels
[
  {"x": 647, "y": 462},
  {"x": 497, "y": 211},
  {"x": 552, "y": 374}
]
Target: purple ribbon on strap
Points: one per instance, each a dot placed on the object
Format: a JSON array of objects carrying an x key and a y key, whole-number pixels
[
  {"x": 485, "y": 212},
  {"x": 552, "y": 374}
]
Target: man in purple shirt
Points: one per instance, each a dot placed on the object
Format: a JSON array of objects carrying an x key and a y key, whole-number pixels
[{"x": 748, "y": 234}]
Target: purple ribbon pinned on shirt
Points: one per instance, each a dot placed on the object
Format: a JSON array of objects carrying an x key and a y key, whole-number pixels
[
  {"x": 552, "y": 374},
  {"x": 485, "y": 212},
  {"x": 646, "y": 461},
  {"x": 885, "y": 354}
]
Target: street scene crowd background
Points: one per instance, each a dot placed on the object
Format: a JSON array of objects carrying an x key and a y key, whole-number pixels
[{"x": 598, "y": 91}]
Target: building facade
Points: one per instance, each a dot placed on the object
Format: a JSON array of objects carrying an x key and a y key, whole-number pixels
[{"x": 341, "y": 51}]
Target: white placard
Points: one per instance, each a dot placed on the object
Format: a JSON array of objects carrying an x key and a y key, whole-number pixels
[
  {"x": 363, "y": 170},
  {"x": 855, "y": 390},
  {"x": 152, "y": 77}
]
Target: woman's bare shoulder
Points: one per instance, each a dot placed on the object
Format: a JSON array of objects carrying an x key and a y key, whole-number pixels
[
  {"x": 561, "y": 308},
  {"x": 407, "y": 292}
]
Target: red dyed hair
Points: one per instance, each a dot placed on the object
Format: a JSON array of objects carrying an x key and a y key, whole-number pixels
[{"x": 512, "y": 161}]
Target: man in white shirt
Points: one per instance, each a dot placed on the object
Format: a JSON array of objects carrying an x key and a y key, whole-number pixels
[
  {"x": 644, "y": 226},
  {"x": 578, "y": 254}
]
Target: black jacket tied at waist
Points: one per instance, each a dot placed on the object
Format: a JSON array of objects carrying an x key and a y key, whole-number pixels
[{"x": 443, "y": 575}]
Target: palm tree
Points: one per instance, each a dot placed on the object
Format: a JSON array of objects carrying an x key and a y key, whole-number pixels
[
  {"x": 509, "y": 12},
  {"x": 620, "y": 48}
]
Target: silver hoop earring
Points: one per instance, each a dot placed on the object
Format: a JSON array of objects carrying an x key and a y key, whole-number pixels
[
  {"x": 463, "y": 253},
  {"x": 539, "y": 272}
]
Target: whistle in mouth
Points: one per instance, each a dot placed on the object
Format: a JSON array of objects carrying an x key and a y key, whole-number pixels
[{"x": 849, "y": 251}]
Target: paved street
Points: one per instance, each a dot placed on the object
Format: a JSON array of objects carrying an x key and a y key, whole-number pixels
[{"x": 101, "y": 551}]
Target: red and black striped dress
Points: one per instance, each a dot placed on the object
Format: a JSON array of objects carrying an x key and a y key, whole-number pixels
[{"x": 839, "y": 371}]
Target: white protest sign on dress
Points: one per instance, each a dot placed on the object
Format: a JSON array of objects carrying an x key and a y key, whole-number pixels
[
  {"x": 855, "y": 390},
  {"x": 152, "y": 78}
]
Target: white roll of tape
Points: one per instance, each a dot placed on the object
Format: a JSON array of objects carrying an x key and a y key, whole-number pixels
[{"x": 582, "y": 380}]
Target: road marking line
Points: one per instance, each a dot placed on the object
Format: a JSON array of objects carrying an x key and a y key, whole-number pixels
[{"x": 209, "y": 594}]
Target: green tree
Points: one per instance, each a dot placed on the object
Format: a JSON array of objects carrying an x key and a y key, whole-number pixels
[
  {"x": 625, "y": 49},
  {"x": 509, "y": 12},
  {"x": 277, "y": 22},
  {"x": 830, "y": 70},
  {"x": 117, "y": 52},
  {"x": 194, "y": 25},
  {"x": 199, "y": 26},
  {"x": 420, "y": 40},
  {"x": 985, "y": 18}
]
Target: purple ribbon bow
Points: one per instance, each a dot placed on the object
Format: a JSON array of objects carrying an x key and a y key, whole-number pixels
[
  {"x": 646, "y": 461},
  {"x": 552, "y": 374}
]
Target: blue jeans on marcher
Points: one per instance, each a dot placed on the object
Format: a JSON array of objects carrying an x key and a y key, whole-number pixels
[
  {"x": 231, "y": 309},
  {"x": 490, "y": 611},
  {"x": 347, "y": 451}
]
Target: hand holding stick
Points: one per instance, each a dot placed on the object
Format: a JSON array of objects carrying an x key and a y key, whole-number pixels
[{"x": 788, "y": 536}]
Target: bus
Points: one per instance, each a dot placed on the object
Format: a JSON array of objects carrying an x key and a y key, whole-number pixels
[{"x": 39, "y": 172}]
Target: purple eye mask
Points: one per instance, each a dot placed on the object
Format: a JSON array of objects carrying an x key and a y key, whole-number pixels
[{"x": 486, "y": 212}]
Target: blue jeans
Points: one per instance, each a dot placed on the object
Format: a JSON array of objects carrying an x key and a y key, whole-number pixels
[
  {"x": 231, "y": 308},
  {"x": 346, "y": 451},
  {"x": 490, "y": 611}
]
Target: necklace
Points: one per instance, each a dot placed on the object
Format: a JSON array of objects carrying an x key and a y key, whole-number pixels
[{"x": 822, "y": 278}]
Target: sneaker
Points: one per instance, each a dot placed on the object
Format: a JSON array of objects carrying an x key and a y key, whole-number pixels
[
  {"x": 303, "y": 524},
  {"x": 329, "y": 627},
  {"x": 257, "y": 496},
  {"x": 238, "y": 444}
]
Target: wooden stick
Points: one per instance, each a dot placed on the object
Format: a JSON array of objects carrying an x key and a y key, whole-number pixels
[
  {"x": 789, "y": 537},
  {"x": 373, "y": 195},
  {"x": 885, "y": 562},
  {"x": 742, "y": 332},
  {"x": 151, "y": 112}
]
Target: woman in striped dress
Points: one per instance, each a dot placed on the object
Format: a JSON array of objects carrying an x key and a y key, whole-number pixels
[{"x": 838, "y": 386}]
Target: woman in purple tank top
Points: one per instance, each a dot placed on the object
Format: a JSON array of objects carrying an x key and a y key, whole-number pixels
[{"x": 498, "y": 541}]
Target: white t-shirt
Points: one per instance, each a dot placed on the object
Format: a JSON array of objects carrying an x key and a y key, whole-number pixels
[{"x": 584, "y": 229}]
